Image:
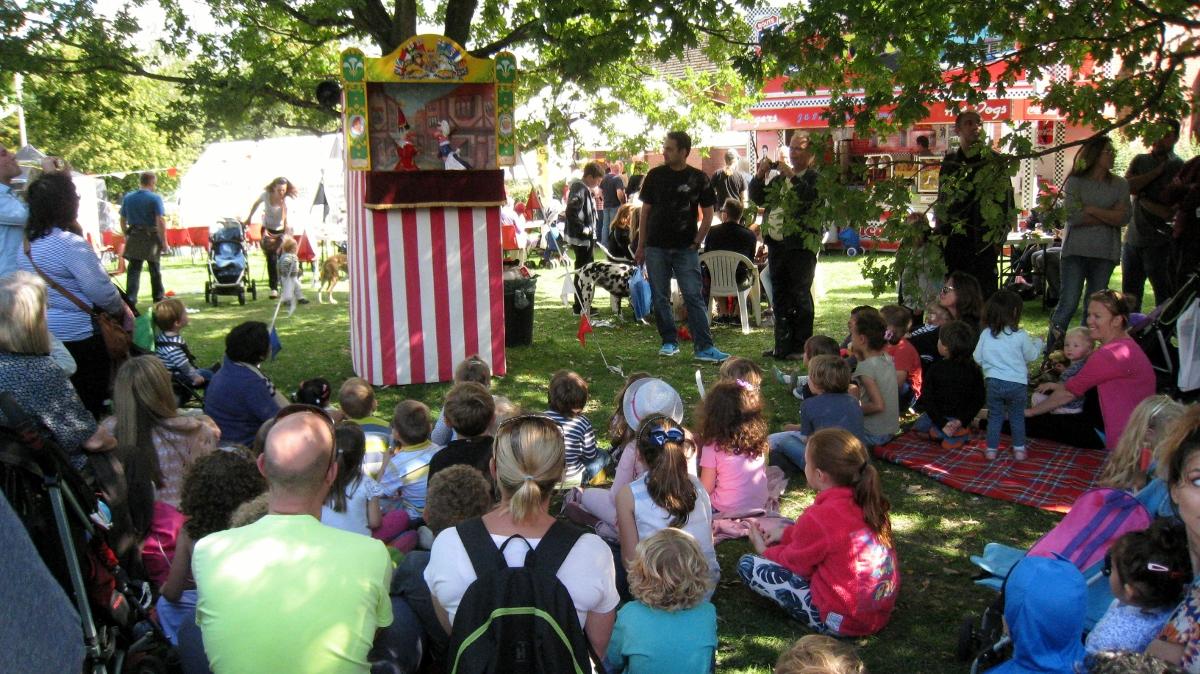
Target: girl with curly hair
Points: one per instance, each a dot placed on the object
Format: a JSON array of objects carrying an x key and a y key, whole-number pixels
[
  {"x": 213, "y": 488},
  {"x": 733, "y": 432},
  {"x": 670, "y": 627}
]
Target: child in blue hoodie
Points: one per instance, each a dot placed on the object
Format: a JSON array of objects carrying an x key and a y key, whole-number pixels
[{"x": 1045, "y": 607}]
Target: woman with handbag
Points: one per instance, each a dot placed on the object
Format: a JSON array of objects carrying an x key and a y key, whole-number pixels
[
  {"x": 275, "y": 224},
  {"x": 85, "y": 310}
]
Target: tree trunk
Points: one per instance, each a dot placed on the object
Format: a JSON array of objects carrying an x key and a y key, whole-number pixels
[
  {"x": 404, "y": 25},
  {"x": 458, "y": 20}
]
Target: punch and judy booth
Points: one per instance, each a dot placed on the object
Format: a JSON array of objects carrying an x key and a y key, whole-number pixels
[{"x": 427, "y": 130}]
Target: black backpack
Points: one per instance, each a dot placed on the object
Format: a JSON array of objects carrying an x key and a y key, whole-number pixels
[{"x": 517, "y": 619}]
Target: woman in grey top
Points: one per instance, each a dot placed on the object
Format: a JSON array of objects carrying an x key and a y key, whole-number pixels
[
  {"x": 275, "y": 224},
  {"x": 1097, "y": 203}
]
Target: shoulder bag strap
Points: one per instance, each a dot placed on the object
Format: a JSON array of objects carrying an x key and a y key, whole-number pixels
[
  {"x": 476, "y": 540},
  {"x": 552, "y": 551},
  {"x": 54, "y": 284}
]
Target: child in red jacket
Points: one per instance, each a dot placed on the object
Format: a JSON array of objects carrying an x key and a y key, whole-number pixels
[{"x": 835, "y": 568}]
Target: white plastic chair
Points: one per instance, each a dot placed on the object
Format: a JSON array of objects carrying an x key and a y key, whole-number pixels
[{"x": 722, "y": 273}]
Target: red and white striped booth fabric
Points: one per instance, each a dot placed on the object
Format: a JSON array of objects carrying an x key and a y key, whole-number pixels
[{"x": 426, "y": 289}]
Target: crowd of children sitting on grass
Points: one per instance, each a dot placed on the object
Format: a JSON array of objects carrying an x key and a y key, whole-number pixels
[
  {"x": 409, "y": 479},
  {"x": 833, "y": 569}
]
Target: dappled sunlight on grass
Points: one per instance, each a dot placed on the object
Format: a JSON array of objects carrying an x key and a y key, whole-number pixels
[{"x": 936, "y": 528}]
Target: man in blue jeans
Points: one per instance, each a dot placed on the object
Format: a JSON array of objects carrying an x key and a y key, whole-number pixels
[{"x": 673, "y": 195}]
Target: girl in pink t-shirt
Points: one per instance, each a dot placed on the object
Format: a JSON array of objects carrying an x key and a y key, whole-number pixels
[{"x": 733, "y": 431}]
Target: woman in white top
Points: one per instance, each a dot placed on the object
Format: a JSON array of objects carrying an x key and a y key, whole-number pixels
[
  {"x": 528, "y": 461},
  {"x": 275, "y": 224},
  {"x": 666, "y": 495}
]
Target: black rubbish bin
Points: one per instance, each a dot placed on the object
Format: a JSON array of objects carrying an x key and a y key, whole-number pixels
[{"x": 518, "y": 310}]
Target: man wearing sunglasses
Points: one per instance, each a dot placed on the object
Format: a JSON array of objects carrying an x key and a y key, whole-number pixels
[{"x": 288, "y": 593}]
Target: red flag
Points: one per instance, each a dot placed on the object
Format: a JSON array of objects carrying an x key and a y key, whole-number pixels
[{"x": 585, "y": 326}]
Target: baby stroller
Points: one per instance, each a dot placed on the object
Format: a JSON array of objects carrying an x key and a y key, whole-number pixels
[
  {"x": 1097, "y": 519},
  {"x": 228, "y": 269},
  {"x": 65, "y": 522},
  {"x": 850, "y": 240},
  {"x": 1159, "y": 339}
]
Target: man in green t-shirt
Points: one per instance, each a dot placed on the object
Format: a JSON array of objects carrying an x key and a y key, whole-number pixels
[{"x": 288, "y": 593}]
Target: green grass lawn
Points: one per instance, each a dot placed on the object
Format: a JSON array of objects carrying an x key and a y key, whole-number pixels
[{"x": 936, "y": 528}]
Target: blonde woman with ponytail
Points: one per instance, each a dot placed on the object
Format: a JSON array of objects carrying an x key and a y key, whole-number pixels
[
  {"x": 528, "y": 461},
  {"x": 835, "y": 569},
  {"x": 666, "y": 495}
]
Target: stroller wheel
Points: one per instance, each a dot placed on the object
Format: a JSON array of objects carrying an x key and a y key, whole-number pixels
[
  {"x": 253, "y": 290},
  {"x": 968, "y": 640},
  {"x": 242, "y": 297}
]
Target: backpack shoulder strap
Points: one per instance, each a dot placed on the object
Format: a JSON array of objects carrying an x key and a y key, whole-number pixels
[
  {"x": 552, "y": 551},
  {"x": 476, "y": 540}
]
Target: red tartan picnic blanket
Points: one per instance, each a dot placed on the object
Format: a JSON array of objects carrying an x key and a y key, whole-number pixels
[{"x": 1051, "y": 478}]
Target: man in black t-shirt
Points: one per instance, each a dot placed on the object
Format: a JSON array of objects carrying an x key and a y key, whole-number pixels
[{"x": 673, "y": 195}]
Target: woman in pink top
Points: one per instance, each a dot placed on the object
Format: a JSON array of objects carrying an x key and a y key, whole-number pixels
[
  {"x": 732, "y": 461},
  {"x": 1119, "y": 371}
]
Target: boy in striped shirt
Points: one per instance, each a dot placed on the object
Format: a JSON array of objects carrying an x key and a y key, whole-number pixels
[
  {"x": 170, "y": 317},
  {"x": 567, "y": 397}
]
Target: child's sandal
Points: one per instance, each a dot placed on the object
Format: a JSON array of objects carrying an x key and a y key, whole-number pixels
[
  {"x": 990, "y": 454},
  {"x": 1019, "y": 455}
]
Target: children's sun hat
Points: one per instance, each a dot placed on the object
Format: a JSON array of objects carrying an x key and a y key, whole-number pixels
[{"x": 646, "y": 397}]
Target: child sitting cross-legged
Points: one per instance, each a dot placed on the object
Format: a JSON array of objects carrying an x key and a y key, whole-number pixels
[
  {"x": 406, "y": 476},
  {"x": 670, "y": 627},
  {"x": 817, "y": 345},
  {"x": 904, "y": 354},
  {"x": 357, "y": 401},
  {"x": 876, "y": 376},
  {"x": 214, "y": 487},
  {"x": 353, "y": 503},
  {"x": 829, "y": 406},
  {"x": 469, "y": 410},
  {"x": 665, "y": 495},
  {"x": 734, "y": 446},
  {"x": 473, "y": 368},
  {"x": 456, "y": 494},
  {"x": 1147, "y": 572},
  {"x": 953, "y": 390},
  {"x": 567, "y": 397},
  {"x": 835, "y": 569},
  {"x": 640, "y": 397}
]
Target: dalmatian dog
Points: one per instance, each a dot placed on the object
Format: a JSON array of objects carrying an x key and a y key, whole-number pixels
[{"x": 612, "y": 276}]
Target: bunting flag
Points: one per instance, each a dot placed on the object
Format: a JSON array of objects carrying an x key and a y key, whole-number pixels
[
  {"x": 585, "y": 327},
  {"x": 276, "y": 345}
]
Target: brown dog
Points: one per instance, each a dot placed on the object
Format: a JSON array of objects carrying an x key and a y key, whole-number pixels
[{"x": 331, "y": 272}]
